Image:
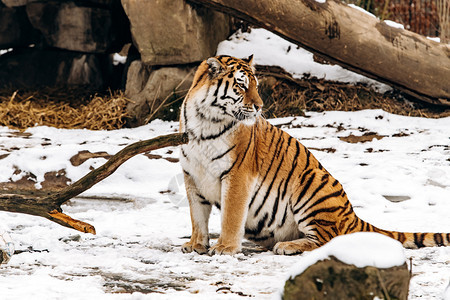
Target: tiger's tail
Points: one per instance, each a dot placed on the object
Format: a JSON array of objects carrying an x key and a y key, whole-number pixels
[{"x": 411, "y": 240}]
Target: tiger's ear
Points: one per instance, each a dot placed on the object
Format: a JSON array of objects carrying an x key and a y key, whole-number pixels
[
  {"x": 216, "y": 68},
  {"x": 249, "y": 60}
]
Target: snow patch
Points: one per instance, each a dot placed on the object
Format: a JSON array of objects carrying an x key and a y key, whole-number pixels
[
  {"x": 394, "y": 24},
  {"x": 361, "y": 10}
]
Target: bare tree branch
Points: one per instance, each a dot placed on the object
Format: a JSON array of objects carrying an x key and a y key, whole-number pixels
[{"x": 49, "y": 206}]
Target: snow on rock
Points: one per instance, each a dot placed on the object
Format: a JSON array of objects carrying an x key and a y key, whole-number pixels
[
  {"x": 362, "y": 249},
  {"x": 361, "y": 9},
  {"x": 394, "y": 24}
]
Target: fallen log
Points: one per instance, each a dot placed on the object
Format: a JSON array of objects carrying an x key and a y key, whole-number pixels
[
  {"x": 49, "y": 206},
  {"x": 354, "y": 40}
]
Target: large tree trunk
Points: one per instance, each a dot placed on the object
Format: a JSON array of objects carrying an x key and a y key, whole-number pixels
[
  {"x": 49, "y": 205},
  {"x": 355, "y": 40}
]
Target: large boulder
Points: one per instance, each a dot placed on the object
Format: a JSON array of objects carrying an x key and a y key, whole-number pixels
[
  {"x": 173, "y": 32},
  {"x": 71, "y": 26},
  {"x": 356, "y": 266},
  {"x": 15, "y": 28},
  {"x": 149, "y": 88}
]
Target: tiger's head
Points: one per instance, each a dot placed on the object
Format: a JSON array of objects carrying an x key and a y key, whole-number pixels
[{"x": 225, "y": 89}]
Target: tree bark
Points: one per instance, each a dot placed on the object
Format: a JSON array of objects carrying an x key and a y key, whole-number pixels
[
  {"x": 49, "y": 206},
  {"x": 354, "y": 40}
]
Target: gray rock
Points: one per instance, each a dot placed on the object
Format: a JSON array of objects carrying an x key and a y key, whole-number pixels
[
  {"x": 173, "y": 32},
  {"x": 67, "y": 25},
  {"x": 333, "y": 279},
  {"x": 15, "y": 3},
  {"x": 149, "y": 88},
  {"x": 15, "y": 28}
]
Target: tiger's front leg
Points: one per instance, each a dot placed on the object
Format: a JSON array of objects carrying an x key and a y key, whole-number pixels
[
  {"x": 235, "y": 195},
  {"x": 200, "y": 211}
]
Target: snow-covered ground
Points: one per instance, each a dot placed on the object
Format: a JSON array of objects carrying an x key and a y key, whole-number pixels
[{"x": 400, "y": 181}]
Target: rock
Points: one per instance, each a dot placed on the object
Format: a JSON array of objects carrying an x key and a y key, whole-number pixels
[
  {"x": 27, "y": 68},
  {"x": 333, "y": 279},
  {"x": 148, "y": 87},
  {"x": 174, "y": 32},
  {"x": 363, "y": 265},
  {"x": 15, "y": 3},
  {"x": 67, "y": 25},
  {"x": 15, "y": 28}
]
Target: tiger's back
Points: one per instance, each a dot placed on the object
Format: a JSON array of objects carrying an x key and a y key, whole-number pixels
[{"x": 269, "y": 187}]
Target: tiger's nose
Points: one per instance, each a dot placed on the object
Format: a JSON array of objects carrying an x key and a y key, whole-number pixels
[{"x": 257, "y": 107}]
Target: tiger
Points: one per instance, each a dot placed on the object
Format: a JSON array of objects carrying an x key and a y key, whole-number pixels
[{"x": 269, "y": 188}]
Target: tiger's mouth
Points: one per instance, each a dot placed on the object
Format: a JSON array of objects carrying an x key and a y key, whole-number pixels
[{"x": 242, "y": 115}]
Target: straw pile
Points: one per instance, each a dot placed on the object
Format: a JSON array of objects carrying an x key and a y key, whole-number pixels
[
  {"x": 286, "y": 96},
  {"x": 62, "y": 109}
]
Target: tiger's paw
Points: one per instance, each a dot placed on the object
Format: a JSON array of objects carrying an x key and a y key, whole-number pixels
[
  {"x": 199, "y": 248},
  {"x": 287, "y": 248},
  {"x": 224, "y": 249}
]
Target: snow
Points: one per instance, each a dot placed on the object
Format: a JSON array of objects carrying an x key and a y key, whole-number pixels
[
  {"x": 361, "y": 9},
  {"x": 271, "y": 50},
  {"x": 361, "y": 249},
  {"x": 136, "y": 252},
  {"x": 394, "y": 24}
]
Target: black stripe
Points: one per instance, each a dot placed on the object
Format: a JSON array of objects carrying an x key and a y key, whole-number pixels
[
  {"x": 294, "y": 166},
  {"x": 205, "y": 202},
  {"x": 263, "y": 238},
  {"x": 418, "y": 239},
  {"x": 401, "y": 237},
  {"x": 246, "y": 149},
  {"x": 270, "y": 187},
  {"x": 201, "y": 196},
  {"x": 344, "y": 208},
  {"x": 308, "y": 156},
  {"x": 303, "y": 192},
  {"x": 283, "y": 220},
  {"x": 275, "y": 205},
  {"x": 304, "y": 175},
  {"x": 448, "y": 237},
  {"x": 352, "y": 226},
  {"x": 318, "y": 189},
  {"x": 219, "y": 83},
  {"x": 217, "y": 205},
  {"x": 186, "y": 172},
  {"x": 259, "y": 227},
  {"x": 199, "y": 79},
  {"x": 227, "y": 171},
  {"x": 185, "y": 116},
  {"x": 318, "y": 234},
  {"x": 335, "y": 182},
  {"x": 214, "y": 136},
  {"x": 320, "y": 200},
  {"x": 318, "y": 211},
  {"x": 183, "y": 153},
  {"x": 223, "y": 154},
  {"x": 227, "y": 83}
]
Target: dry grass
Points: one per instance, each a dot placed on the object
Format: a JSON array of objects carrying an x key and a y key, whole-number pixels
[
  {"x": 285, "y": 96},
  {"x": 62, "y": 108}
]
